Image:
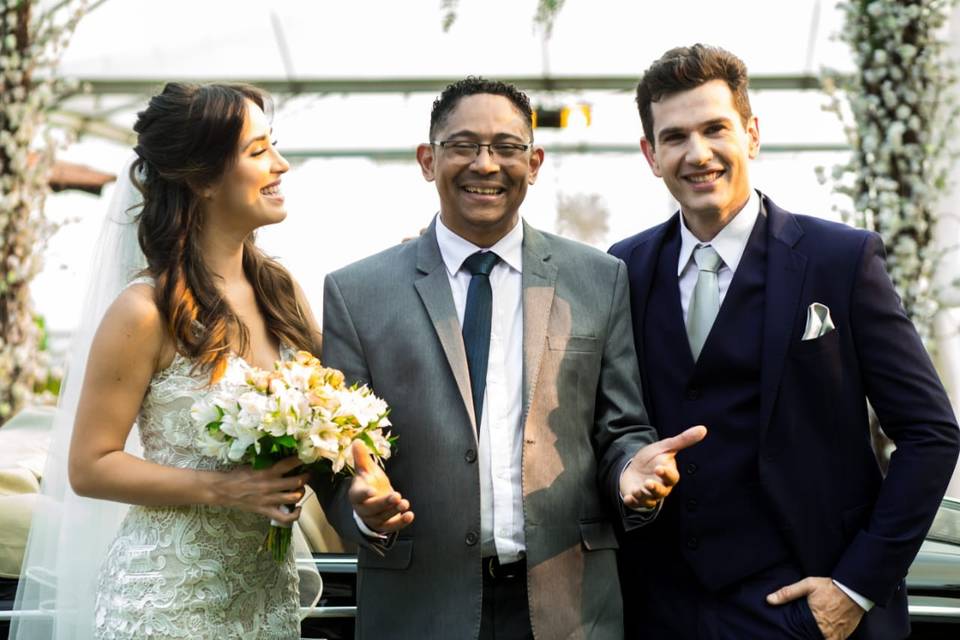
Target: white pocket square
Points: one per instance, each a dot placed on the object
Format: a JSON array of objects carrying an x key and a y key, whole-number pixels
[{"x": 819, "y": 322}]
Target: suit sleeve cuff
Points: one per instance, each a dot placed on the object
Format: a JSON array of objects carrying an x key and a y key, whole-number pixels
[
  {"x": 647, "y": 510},
  {"x": 367, "y": 531},
  {"x": 634, "y": 518},
  {"x": 865, "y": 603}
]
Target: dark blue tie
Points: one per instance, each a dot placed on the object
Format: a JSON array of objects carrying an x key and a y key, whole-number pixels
[{"x": 476, "y": 324}]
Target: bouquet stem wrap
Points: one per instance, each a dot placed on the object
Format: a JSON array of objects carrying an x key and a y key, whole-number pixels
[{"x": 279, "y": 537}]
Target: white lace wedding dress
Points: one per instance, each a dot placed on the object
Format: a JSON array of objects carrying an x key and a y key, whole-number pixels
[{"x": 197, "y": 571}]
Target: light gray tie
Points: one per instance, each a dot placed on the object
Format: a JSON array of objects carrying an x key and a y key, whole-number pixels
[{"x": 705, "y": 302}]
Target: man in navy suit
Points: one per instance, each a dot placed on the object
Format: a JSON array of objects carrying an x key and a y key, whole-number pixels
[{"x": 773, "y": 329}]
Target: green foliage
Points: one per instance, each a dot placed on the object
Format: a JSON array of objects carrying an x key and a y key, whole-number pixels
[
  {"x": 46, "y": 387},
  {"x": 545, "y": 17}
]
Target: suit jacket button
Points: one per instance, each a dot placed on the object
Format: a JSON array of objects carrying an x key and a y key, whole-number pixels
[
  {"x": 470, "y": 455},
  {"x": 471, "y": 538},
  {"x": 692, "y": 504},
  {"x": 691, "y": 468},
  {"x": 693, "y": 542},
  {"x": 693, "y": 393}
]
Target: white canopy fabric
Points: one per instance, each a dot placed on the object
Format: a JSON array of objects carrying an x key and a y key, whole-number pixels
[{"x": 386, "y": 38}]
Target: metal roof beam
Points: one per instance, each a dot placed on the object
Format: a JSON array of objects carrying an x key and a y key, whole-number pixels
[
  {"x": 398, "y": 154},
  {"x": 126, "y": 86}
]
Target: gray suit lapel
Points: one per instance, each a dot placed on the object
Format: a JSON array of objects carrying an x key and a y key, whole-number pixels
[
  {"x": 539, "y": 281},
  {"x": 434, "y": 289}
]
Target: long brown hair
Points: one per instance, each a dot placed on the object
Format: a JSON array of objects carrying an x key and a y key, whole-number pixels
[{"x": 187, "y": 137}]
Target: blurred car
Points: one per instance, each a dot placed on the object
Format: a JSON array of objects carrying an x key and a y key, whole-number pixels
[{"x": 933, "y": 583}]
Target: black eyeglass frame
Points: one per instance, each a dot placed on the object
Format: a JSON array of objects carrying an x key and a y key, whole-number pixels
[{"x": 519, "y": 148}]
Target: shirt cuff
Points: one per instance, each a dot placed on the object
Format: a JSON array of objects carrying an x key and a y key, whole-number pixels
[
  {"x": 865, "y": 603},
  {"x": 367, "y": 531},
  {"x": 636, "y": 509}
]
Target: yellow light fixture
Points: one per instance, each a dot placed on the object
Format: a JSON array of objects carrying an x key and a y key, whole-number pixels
[{"x": 560, "y": 117}]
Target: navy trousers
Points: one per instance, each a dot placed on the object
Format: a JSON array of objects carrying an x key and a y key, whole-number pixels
[{"x": 675, "y": 607}]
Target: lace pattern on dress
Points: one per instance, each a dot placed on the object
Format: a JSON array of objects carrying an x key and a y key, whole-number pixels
[{"x": 196, "y": 571}]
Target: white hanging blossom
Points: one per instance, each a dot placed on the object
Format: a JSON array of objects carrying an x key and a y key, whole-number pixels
[
  {"x": 899, "y": 117},
  {"x": 32, "y": 41}
]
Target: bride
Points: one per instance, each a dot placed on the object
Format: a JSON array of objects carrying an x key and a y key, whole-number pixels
[{"x": 186, "y": 561}]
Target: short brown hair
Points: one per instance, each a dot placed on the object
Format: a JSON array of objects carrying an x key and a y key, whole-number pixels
[{"x": 686, "y": 68}]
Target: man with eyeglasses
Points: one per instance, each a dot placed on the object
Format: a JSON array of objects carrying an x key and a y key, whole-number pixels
[{"x": 506, "y": 355}]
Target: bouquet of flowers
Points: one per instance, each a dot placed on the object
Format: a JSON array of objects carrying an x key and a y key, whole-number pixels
[{"x": 300, "y": 408}]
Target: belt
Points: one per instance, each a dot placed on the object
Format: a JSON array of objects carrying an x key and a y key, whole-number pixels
[{"x": 493, "y": 570}]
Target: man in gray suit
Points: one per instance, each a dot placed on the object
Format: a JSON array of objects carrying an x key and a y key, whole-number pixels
[{"x": 507, "y": 357}]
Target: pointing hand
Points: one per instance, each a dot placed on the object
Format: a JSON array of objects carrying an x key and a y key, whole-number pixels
[{"x": 652, "y": 472}]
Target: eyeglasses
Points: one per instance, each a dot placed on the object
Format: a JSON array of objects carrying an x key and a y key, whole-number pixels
[{"x": 463, "y": 150}]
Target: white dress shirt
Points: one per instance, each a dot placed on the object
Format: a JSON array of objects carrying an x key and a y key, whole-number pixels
[
  {"x": 501, "y": 434},
  {"x": 730, "y": 244}
]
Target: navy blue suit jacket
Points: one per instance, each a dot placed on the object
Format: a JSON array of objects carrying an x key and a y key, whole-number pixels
[{"x": 841, "y": 517}]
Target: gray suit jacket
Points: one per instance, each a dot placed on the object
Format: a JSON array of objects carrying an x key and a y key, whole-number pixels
[{"x": 390, "y": 321}]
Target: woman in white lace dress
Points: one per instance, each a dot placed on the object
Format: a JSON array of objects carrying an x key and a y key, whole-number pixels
[{"x": 186, "y": 562}]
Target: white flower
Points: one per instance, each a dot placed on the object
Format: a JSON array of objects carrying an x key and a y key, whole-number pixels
[
  {"x": 306, "y": 451},
  {"x": 213, "y": 445},
  {"x": 380, "y": 442},
  {"x": 361, "y": 404},
  {"x": 204, "y": 412},
  {"x": 297, "y": 376},
  {"x": 292, "y": 405},
  {"x": 326, "y": 444},
  {"x": 242, "y": 437},
  {"x": 253, "y": 406},
  {"x": 344, "y": 459}
]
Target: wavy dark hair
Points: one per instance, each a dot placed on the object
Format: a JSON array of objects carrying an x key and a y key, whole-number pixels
[
  {"x": 187, "y": 137},
  {"x": 684, "y": 68}
]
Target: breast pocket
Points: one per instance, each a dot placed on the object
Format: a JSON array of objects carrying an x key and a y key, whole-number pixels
[
  {"x": 396, "y": 557},
  {"x": 824, "y": 344},
  {"x": 815, "y": 370},
  {"x": 596, "y": 533},
  {"x": 572, "y": 344}
]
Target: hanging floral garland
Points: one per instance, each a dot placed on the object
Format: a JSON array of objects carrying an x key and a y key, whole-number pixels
[
  {"x": 899, "y": 115},
  {"x": 31, "y": 43}
]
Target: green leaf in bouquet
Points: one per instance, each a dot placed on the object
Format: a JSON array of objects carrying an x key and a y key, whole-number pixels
[
  {"x": 213, "y": 427},
  {"x": 263, "y": 460},
  {"x": 287, "y": 441},
  {"x": 367, "y": 440}
]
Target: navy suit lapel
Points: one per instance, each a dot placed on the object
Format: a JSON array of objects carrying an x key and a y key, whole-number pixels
[
  {"x": 641, "y": 267},
  {"x": 786, "y": 268}
]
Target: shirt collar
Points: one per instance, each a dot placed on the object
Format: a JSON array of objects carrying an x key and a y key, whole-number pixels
[
  {"x": 454, "y": 249},
  {"x": 730, "y": 243}
]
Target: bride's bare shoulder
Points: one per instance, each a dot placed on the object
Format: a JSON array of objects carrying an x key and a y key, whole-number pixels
[
  {"x": 136, "y": 308},
  {"x": 134, "y": 322}
]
